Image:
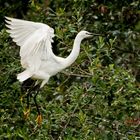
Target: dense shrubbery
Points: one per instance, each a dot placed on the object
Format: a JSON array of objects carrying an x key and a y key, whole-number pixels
[{"x": 98, "y": 97}]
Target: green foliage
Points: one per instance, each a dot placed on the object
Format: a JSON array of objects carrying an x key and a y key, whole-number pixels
[{"x": 98, "y": 96}]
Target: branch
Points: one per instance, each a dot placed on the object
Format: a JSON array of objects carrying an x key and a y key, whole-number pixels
[{"x": 77, "y": 75}]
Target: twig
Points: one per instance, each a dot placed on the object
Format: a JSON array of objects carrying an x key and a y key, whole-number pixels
[
  {"x": 77, "y": 75},
  {"x": 68, "y": 121}
]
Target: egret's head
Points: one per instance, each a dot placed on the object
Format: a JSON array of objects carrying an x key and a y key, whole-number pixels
[{"x": 84, "y": 34}]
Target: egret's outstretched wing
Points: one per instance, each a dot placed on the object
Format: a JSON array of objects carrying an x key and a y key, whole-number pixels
[
  {"x": 34, "y": 39},
  {"x": 21, "y": 30}
]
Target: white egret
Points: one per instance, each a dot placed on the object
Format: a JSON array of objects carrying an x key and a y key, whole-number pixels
[{"x": 37, "y": 57}]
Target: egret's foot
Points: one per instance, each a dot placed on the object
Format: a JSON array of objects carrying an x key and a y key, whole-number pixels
[
  {"x": 26, "y": 113},
  {"x": 39, "y": 119}
]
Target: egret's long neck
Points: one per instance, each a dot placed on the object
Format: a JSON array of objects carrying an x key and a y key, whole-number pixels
[{"x": 75, "y": 51}]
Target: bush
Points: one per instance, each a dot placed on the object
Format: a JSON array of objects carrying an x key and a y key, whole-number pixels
[{"x": 98, "y": 96}]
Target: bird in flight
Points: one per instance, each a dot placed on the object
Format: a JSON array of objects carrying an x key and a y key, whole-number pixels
[{"x": 37, "y": 58}]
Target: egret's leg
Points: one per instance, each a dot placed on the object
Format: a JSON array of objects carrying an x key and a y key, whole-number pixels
[
  {"x": 39, "y": 117},
  {"x": 30, "y": 86},
  {"x": 36, "y": 103},
  {"x": 29, "y": 93},
  {"x": 28, "y": 99},
  {"x": 27, "y": 87},
  {"x": 27, "y": 111}
]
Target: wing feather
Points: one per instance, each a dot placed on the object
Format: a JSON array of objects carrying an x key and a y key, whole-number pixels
[
  {"x": 33, "y": 38},
  {"x": 21, "y": 27}
]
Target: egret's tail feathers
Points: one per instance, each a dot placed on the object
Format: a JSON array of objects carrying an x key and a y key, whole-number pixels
[{"x": 24, "y": 75}]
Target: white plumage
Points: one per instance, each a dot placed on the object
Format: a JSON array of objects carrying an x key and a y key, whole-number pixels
[{"x": 36, "y": 52}]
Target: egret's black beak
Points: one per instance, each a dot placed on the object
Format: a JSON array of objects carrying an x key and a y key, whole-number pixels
[
  {"x": 89, "y": 34},
  {"x": 93, "y": 34}
]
